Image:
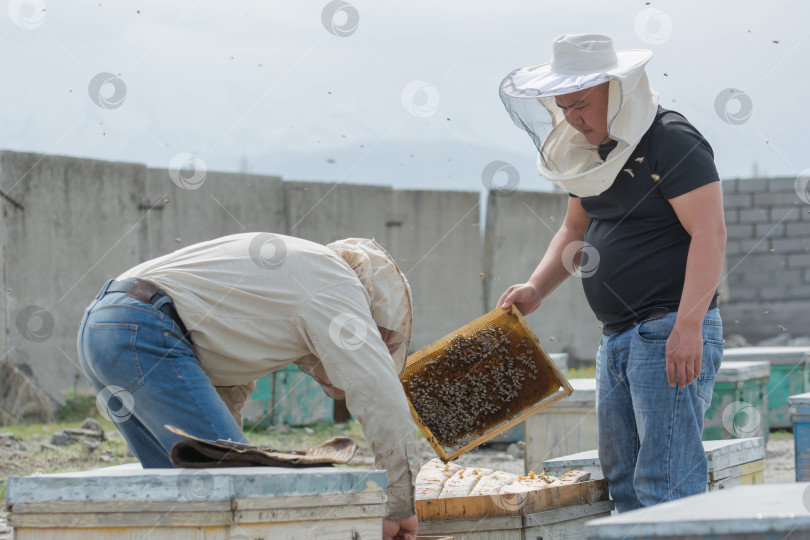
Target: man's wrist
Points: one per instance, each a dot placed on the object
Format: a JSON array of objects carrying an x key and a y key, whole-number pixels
[
  {"x": 535, "y": 283},
  {"x": 689, "y": 324}
]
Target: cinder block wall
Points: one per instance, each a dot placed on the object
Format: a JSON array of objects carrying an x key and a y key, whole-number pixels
[{"x": 767, "y": 257}]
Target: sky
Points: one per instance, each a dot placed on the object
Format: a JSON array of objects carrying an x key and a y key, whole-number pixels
[{"x": 391, "y": 93}]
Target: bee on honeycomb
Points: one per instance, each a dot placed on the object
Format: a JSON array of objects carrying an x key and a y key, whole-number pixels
[{"x": 472, "y": 384}]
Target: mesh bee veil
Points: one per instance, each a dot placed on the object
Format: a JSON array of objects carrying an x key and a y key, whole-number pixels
[{"x": 579, "y": 62}]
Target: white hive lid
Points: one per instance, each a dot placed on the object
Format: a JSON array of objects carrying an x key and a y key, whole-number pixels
[
  {"x": 776, "y": 509},
  {"x": 743, "y": 371},
  {"x": 588, "y": 458},
  {"x": 220, "y": 484},
  {"x": 774, "y": 355}
]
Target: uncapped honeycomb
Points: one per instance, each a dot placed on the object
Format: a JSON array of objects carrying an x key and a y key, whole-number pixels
[{"x": 478, "y": 381}]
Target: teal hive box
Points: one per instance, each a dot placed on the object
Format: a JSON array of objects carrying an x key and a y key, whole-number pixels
[
  {"x": 790, "y": 375},
  {"x": 739, "y": 407},
  {"x": 288, "y": 396},
  {"x": 800, "y": 414}
]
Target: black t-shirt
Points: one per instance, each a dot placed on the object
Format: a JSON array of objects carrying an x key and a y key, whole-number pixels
[{"x": 641, "y": 244}]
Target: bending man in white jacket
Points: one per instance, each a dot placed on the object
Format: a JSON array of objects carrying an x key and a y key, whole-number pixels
[{"x": 181, "y": 340}]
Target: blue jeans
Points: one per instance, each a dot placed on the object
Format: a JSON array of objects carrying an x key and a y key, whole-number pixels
[
  {"x": 146, "y": 375},
  {"x": 650, "y": 434}
]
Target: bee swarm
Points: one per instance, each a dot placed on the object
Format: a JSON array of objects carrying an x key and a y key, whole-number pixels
[{"x": 473, "y": 384}]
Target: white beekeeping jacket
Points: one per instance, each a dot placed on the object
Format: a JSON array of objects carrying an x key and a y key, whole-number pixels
[{"x": 256, "y": 302}]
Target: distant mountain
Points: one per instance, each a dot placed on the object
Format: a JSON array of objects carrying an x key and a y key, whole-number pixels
[{"x": 446, "y": 165}]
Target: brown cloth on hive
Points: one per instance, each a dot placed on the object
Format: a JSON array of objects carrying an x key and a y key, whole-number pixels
[{"x": 193, "y": 452}]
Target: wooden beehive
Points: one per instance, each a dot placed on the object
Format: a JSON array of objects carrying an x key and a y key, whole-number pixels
[
  {"x": 246, "y": 503},
  {"x": 553, "y": 512},
  {"x": 739, "y": 407},
  {"x": 790, "y": 375},
  {"x": 800, "y": 415},
  {"x": 730, "y": 463},
  {"x": 566, "y": 427},
  {"x": 756, "y": 512},
  {"x": 492, "y": 372}
]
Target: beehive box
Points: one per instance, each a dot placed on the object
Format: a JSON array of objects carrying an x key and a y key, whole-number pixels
[
  {"x": 553, "y": 512},
  {"x": 800, "y": 414},
  {"x": 587, "y": 461},
  {"x": 566, "y": 427},
  {"x": 479, "y": 381},
  {"x": 288, "y": 396},
  {"x": 790, "y": 375},
  {"x": 128, "y": 503},
  {"x": 735, "y": 462},
  {"x": 730, "y": 463},
  {"x": 739, "y": 407},
  {"x": 762, "y": 512}
]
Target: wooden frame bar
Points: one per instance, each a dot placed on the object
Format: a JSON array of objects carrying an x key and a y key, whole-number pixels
[{"x": 478, "y": 324}]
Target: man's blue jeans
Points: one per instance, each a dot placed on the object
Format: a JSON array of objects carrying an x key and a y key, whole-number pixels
[
  {"x": 650, "y": 434},
  {"x": 146, "y": 375}
]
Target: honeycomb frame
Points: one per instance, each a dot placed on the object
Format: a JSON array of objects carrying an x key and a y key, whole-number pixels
[{"x": 513, "y": 321}]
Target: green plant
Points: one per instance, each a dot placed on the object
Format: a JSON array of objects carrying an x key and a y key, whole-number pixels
[
  {"x": 582, "y": 373},
  {"x": 77, "y": 408}
]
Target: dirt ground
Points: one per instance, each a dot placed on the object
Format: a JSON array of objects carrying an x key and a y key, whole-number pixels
[{"x": 27, "y": 452}]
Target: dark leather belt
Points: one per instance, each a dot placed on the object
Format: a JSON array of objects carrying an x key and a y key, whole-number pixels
[
  {"x": 149, "y": 294},
  {"x": 649, "y": 315}
]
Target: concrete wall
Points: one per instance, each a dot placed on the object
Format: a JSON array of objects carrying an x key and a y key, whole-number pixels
[
  {"x": 325, "y": 212},
  {"x": 768, "y": 258},
  {"x": 435, "y": 237},
  {"x": 74, "y": 224},
  {"x": 70, "y": 224},
  {"x": 519, "y": 228},
  {"x": 222, "y": 204}
]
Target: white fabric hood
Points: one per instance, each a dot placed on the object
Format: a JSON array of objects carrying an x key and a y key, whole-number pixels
[
  {"x": 578, "y": 62},
  {"x": 388, "y": 290}
]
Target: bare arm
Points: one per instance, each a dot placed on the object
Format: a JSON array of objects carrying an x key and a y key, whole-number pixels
[
  {"x": 551, "y": 271},
  {"x": 701, "y": 213}
]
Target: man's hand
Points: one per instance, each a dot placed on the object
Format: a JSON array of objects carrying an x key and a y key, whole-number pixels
[
  {"x": 524, "y": 296},
  {"x": 684, "y": 354},
  {"x": 551, "y": 271},
  {"x": 400, "y": 529}
]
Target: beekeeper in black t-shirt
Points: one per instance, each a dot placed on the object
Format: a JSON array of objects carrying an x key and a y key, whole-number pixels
[{"x": 644, "y": 231}]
